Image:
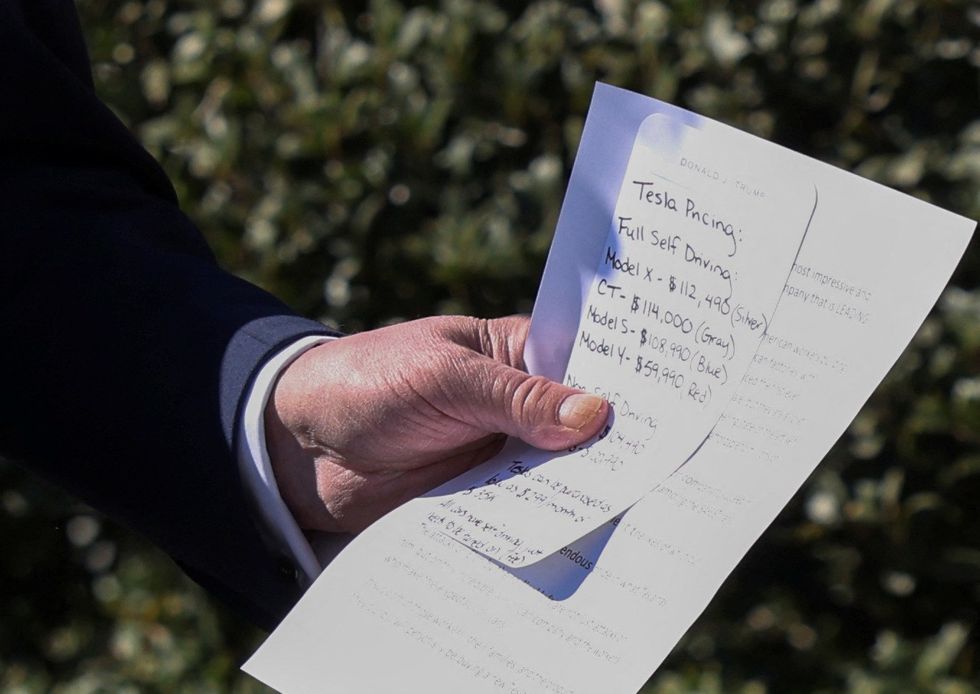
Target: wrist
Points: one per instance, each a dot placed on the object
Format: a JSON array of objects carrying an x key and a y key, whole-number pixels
[{"x": 293, "y": 424}]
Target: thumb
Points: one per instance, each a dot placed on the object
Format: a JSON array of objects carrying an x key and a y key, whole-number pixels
[{"x": 536, "y": 410}]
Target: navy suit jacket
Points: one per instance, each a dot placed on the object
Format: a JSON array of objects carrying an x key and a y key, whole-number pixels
[{"x": 125, "y": 349}]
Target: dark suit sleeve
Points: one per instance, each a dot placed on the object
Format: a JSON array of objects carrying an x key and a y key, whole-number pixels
[{"x": 124, "y": 349}]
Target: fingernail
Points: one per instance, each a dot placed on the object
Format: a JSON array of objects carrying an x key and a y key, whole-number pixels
[{"x": 578, "y": 410}]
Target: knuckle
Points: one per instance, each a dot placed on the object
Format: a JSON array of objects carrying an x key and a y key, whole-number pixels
[
  {"x": 485, "y": 337},
  {"x": 530, "y": 399}
]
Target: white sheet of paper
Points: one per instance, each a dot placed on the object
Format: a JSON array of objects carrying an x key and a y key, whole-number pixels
[
  {"x": 406, "y": 607},
  {"x": 704, "y": 228}
]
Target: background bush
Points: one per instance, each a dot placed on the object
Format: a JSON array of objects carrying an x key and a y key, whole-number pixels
[{"x": 375, "y": 162}]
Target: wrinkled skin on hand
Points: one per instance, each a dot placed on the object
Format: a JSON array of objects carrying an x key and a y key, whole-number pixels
[{"x": 359, "y": 425}]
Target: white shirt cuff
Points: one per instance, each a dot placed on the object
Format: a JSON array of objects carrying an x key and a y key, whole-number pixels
[{"x": 256, "y": 466}]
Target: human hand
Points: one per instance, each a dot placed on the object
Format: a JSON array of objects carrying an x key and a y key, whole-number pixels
[{"x": 360, "y": 425}]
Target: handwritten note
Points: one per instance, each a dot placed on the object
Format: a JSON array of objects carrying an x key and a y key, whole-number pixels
[
  {"x": 602, "y": 612},
  {"x": 700, "y": 242}
]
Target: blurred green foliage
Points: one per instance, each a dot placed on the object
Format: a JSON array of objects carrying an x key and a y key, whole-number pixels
[{"x": 372, "y": 162}]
